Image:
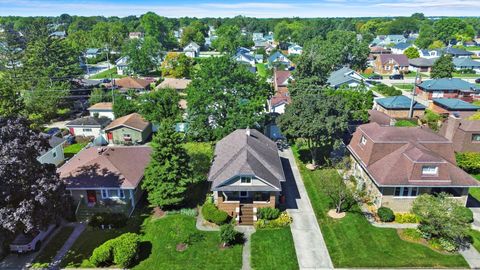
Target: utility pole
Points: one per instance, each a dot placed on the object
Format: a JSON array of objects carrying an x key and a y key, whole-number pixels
[
  {"x": 111, "y": 89},
  {"x": 412, "y": 102}
]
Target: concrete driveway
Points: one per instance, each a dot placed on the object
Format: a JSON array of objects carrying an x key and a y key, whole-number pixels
[{"x": 311, "y": 250}]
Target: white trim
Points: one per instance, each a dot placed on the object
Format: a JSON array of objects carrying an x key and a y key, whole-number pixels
[
  {"x": 120, "y": 125},
  {"x": 132, "y": 200},
  {"x": 120, "y": 193}
]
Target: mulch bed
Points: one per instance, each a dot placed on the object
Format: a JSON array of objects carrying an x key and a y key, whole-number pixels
[{"x": 158, "y": 213}]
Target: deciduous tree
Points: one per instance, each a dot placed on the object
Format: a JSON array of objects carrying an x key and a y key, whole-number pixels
[
  {"x": 411, "y": 53},
  {"x": 443, "y": 68},
  {"x": 160, "y": 106}
]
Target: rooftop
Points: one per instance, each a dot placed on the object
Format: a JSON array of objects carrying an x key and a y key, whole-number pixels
[
  {"x": 453, "y": 104},
  {"x": 398, "y": 102},
  {"x": 101, "y": 106},
  {"x": 447, "y": 84},
  {"x": 90, "y": 121},
  {"x": 133, "y": 120}
]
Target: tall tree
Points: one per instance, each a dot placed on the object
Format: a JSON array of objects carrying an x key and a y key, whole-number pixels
[
  {"x": 32, "y": 194},
  {"x": 443, "y": 67},
  {"x": 10, "y": 99},
  {"x": 230, "y": 38},
  {"x": 177, "y": 65},
  {"x": 158, "y": 28},
  {"x": 124, "y": 104},
  {"x": 168, "y": 174},
  {"x": 411, "y": 53},
  {"x": 99, "y": 95},
  {"x": 143, "y": 55},
  {"x": 160, "y": 106},
  {"x": 222, "y": 97}
]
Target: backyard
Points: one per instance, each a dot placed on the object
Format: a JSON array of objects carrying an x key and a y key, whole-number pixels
[
  {"x": 353, "y": 242},
  {"x": 273, "y": 249},
  {"x": 73, "y": 149},
  {"x": 107, "y": 74},
  {"x": 262, "y": 70}
]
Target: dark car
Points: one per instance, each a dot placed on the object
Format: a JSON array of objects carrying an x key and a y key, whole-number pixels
[
  {"x": 477, "y": 80},
  {"x": 396, "y": 77},
  {"x": 106, "y": 81},
  {"x": 375, "y": 77}
]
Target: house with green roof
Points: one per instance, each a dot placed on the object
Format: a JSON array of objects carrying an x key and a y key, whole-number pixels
[
  {"x": 466, "y": 63},
  {"x": 452, "y": 105},
  {"x": 447, "y": 88},
  {"x": 398, "y": 107}
]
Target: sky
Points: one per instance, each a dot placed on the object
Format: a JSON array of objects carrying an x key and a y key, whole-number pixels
[{"x": 261, "y": 9}]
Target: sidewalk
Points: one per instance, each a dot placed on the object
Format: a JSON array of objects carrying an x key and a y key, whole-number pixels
[
  {"x": 79, "y": 227},
  {"x": 311, "y": 250}
]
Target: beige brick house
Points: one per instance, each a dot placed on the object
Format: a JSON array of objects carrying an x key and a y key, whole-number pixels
[{"x": 394, "y": 165}]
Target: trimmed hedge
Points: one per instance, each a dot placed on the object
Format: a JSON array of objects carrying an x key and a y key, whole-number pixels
[
  {"x": 467, "y": 213},
  {"x": 282, "y": 221},
  {"x": 268, "y": 213},
  {"x": 469, "y": 161},
  {"x": 121, "y": 251},
  {"x": 406, "y": 218},
  {"x": 103, "y": 255},
  {"x": 385, "y": 214},
  {"x": 211, "y": 213}
]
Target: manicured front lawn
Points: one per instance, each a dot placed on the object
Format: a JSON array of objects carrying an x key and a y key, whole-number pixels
[
  {"x": 50, "y": 250},
  {"x": 476, "y": 239},
  {"x": 261, "y": 70},
  {"x": 73, "y": 149},
  {"x": 107, "y": 74},
  {"x": 460, "y": 75},
  {"x": 160, "y": 240},
  {"x": 475, "y": 192},
  {"x": 273, "y": 249},
  {"x": 354, "y": 242}
]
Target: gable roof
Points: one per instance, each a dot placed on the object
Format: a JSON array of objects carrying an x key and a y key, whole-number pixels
[
  {"x": 465, "y": 63},
  {"x": 281, "y": 76},
  {"x": 422, "y": 62},
  {"x": 281, "y": 97},
  {"x": 131, "y": 83},
  {"x": 399, "y": 102},
  {"x": 447, "y": 84},
  {"x": 109, "y": 167},
  {"x": 394, "y": 156},
  {"x": 401, "y": 59},
  {"x": 90, "y": 121},
  {"x": 455, "y": 104},
  {"x": 454, "y": 51},
  {"x": 133, "y": 120},
  {"x": 343, "y": 75},
  {"x": 191, "y": 46},
  {"x": 101, "y": 106},
  {"x": 241, "y": 154},
  {"x": 276, "y": 55},
  {"x": 92, "y": 51},
  {"x": 402, "y": 46},
  {"x": 180, "y": 84}
]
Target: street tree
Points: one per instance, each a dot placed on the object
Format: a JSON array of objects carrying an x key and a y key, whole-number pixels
[{"x": 443, "y": 67}]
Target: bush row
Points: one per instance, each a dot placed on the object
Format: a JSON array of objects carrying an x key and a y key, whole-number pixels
[
  {"x": 121, "y": 251},
  {"x": 211, "y": 213},
  {"x": 282, "y": 221},
  {"x": 469, "y": 161},
  {"x": 268, "y": 213}
]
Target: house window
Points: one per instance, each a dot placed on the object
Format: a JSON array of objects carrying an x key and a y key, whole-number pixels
[
  {"x": 104, "y": 194},
  {"x": 113, "y": 193},
  {"x": 87, "y": 130},
  {"x": 54, "y": 154},
  {"x": 363, "y": 140},
  {"x": 429, "y": 170},
  {"x": 243, "y": 194},
  {"x": 126, "y": 135},
  {"x": 406, "y": 191},
  {"x": 476, "y": 137},
  {"x": 246, "y": 180}
]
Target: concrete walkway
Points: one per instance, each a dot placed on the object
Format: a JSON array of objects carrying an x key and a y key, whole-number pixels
[
  {"x": 247, "y": 246},
  {"x": 79, "y": 228},
  {"x": 472, "y": 256},
  {"x": 311, "y": 250},
  {"x": 203, "y": 225}
]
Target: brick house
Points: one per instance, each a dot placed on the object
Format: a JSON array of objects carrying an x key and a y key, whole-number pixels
[
  {"x": 393, "y": 165},
  {"x": 246, "y": 174},
  {"x": 448, "y": 106},
  {"x": 391, "y": 64},
  {"x": 464, "y": 133},
  {"x": 398, "y": 107},
  {"x": 446, "y": 88}
]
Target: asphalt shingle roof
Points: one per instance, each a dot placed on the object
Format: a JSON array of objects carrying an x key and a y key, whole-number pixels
[
  {"x": 447, "y": 84},
  {"x": 455, "y": 104},
  {"x": 398, "y": 102},
  {"x": 342, "y": 76},
  {"x": 90, "y": 121}
]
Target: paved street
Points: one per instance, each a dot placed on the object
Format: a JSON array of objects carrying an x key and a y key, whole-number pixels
[{"x": 311, "y": 250}]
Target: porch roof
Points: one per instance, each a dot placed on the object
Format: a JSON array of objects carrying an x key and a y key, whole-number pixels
[{"x": 245, "y": 188}]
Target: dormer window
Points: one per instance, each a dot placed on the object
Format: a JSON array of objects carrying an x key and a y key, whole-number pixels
[
  {"x": 246, "y": 180},
  {"x": 429, "y": 170},
  {"x": 363, "y": 140}
]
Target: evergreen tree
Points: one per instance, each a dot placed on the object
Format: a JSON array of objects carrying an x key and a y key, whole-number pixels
[
  {"x": 168, "y": 173},
  {"x": 443, "y": 68}
]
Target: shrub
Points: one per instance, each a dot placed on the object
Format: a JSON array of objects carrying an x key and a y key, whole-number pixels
[
  {"x": 227, "y": 234},
  {"x": 385, "y": 214},
  {"x": 191, "y": 212},
  {"x": 103, "y": 255},
  {"x": 406, "y": 218},
  {"x": 412, "y": 234},
  {"x": 211, "y": 213},
  {"x": 469, "y": 161},
  {"x": 116, "y": 220},
  {"x": 282, "y": 221},
  {"x": 387, "y": 90},
  {"x": 193, "y": 237},
  {"x": 466, "y": 213},
  {"x": 125, "y": 249},
  {"x": 268, "y": 213}
]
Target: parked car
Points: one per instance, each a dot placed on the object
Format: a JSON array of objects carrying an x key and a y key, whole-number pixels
[
  {"x": 106, "y": 81},
  {"x": 375, "y": 77},
  {"x": 32, "y": 241},
  {"x": 477, "y": 80},
  {"x": 396, "y": 77}
]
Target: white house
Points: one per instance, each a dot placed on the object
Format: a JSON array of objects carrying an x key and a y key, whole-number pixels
[
  {"x": 135, "y": 35},
  {"x": 192, "y": 50},
  {"x": 295, "y": 49},
  {"x": 401, "y": 47},
  {"x": 54, "y": 155},
  {"x": 92, "y": 53},
  {"x": 244, "y": 55},
  {"x": 122, "y": 65},
  {"x": 102, "y": 109},
  {"x": 278, "y": 59},
  {"x": 88, "y": 126}
]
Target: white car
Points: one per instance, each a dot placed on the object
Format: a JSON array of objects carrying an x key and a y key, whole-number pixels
[{"x": 32, "y": 241}]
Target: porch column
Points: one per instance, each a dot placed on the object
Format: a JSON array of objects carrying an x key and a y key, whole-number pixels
[{"x": 132, "y": 200}]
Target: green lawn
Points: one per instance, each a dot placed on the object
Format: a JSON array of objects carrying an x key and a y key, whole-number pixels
[
  {"x": 273, "y": 249},
  {"x": 354, "y": 242},
  {"x": 404, "y": 86},
  {"x": 459, "y": 75},
  {"x": 473, "y": 48},
  {"x": 201, "y": 155},
  {"x": 107, "y": 74},
  {"x": 91, "y": 238},
  {"x": 73, "y": 149},
  {"x": 475, "y": 192},
  {"x": 476, "y": 239},
  {"x": 406, "y": 123},
  {"x": 161, "y": 237},
  {"x": 49, "y": 251},
  {"x": 262, "y": 70}
]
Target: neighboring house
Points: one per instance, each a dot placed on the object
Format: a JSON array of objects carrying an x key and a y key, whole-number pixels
[
  {"x": 278, "y": 59},
  {"x": 135, "y": 35},
  {"x": 192, "y": 50},
  {"x": 178, "y": 84},
  {"x": 429, "y": 54},
  {"x": 466, "y": 63},
  {"x": 446, "y": 88},
  {"x": 295, "y": 49},
  {"x": 449, "y": 106},
  {"x": 394, "y": 165},
  {"x": 59, "y": 34},
  {"x": 401, "y": 47},
  {"x": 454, "y": 52},
  {"x": 102, "y": 109},
  {"x": 106, "y": 176},
  {"x": 463, "y": 133},
  {"x": 398, "y": 107},
  {"x": 281, "y": 78},
  {"x": 258, "y": 58},
  {"x": 130, "y": 83},
  {"x": 88, "y": 126},
  {"x": 245, "y": 56},
  {"x": 278, "y": 102},
  {"x": 54, "y": 155},
  {"x": 246, "y": 174},
  {"x": 421, "y": 64},
  {"x": 92, "y": 53},
  {"x": 387, "y": 40},
  {"x": 122, "y": 65},
  {"x": 380, "y": 118},
  {"x": 257, "y": 36},
  {"x": 377, "y": 50},
  {"x": 130, "y": 129},
  {"x": 260, "y": 44},
  {"x": 391, "y": 63},
  {"x": 345, "y": 77}
]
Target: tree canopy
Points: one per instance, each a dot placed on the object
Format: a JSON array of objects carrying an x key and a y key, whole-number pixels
[{"x": 443, "y": 67}]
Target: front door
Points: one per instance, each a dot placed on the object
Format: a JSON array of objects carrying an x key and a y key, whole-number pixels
[{"x": 91, "y": 196}]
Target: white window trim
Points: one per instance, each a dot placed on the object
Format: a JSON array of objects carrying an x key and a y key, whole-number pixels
[
  {"x": 120, "y": 192},
  {"x": 363, "y": 140},
  {"x": 251, "y": 178},
  {"x": 428, "y": 173}
]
